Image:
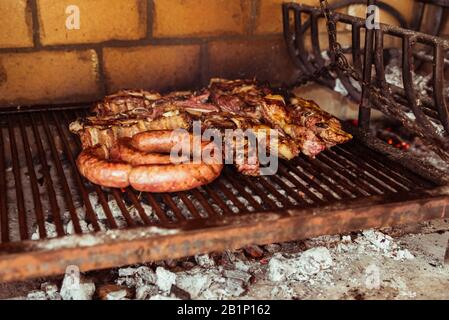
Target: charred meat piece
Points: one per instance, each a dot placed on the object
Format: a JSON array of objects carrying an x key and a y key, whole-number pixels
[
  {"x": 124, "y": 101},
  {"x": 107, "y": 130},
  {"x": 307, "y": 113},
  {"x": 152, "y": 104}
]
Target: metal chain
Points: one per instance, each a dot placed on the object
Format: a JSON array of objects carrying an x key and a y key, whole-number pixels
[{"x": 338, "y": 59}]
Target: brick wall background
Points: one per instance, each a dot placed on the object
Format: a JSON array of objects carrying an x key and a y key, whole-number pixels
[{"x": 152, "y": 44}]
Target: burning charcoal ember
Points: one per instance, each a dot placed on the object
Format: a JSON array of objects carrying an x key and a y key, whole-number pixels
[
  {"x": 299, "y": 267},
  {"x": 37, "y": 295},
  {"x": 165, "y": 279},
  {"x": 76, "y": 289},
  {"x": 254, "y": 251},
  {"x": 145, "y": 292},
  {"x": 113, "y": 292},
  {"x": 204, "y": 260}
]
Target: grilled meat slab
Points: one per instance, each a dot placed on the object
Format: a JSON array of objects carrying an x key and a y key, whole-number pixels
[{"x": 301, "y": 126}]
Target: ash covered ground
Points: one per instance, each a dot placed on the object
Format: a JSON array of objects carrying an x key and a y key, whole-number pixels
[{"x": 386, "y": 264}]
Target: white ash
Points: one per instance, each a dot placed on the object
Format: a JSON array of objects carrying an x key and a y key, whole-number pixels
[
  {"x": 70, "y": 228},
  {"x": 232, "y": 206},
  {"x": 275, "y": 200},
  {"x": 51, "y": 291},
  {"x": 299, "y": 267},
  {"x": 165, "y": 279},
  {"x": 136, "y": 277},
  {"x": 197, "y": 204},
  {"x": 162, "y": 297},
  {"x": 373, "y": 241},
  {"x": 76, "y": 289},
  {"x": 245, "y": 203},
  {"x": 242, "y": 266},
  {"x": 239, "y": 275},
  {"x": 36, "y": 295},
  {"x": 50, "y": 228},
  {"x": 393, "y": 75},
  {"x": 117, "y": 295},
  {"x": 195, "y": 281},
  {"x": 340, "y": 88},
  {"x": 145, "y": 292},
  {"x": 282, "y": 291},
  {"x": 217, "y": 208},
  {"x": 384, "y": 244},
  {"x": 256, "y": 197},
  {"x": 204, "y": 260},
  {"x": 325, "y": 55}
]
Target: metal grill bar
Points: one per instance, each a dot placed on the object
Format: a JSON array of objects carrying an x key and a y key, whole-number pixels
[
  {"x": 18, "y": 182},
  {"x": 217, "y": 199},
  {"x": 81, "y": 186},
  {"x": 3, "y": 198},
  {"x": 34, "y": 187},
  {"x": 46, "y": 174},
  {"x": 157, "y": 209},
  {"x": 67, "y": 194}
]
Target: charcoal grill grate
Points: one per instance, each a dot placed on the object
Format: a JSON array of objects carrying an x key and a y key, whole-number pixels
[
  {"x": 47, "y": 209},
  {"x": 46, "y": 190}
]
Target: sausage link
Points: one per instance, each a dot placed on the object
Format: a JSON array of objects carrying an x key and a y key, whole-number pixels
[
  {"x": 102, "y": 167},
  {"x": 161, "y": 141},
  {"x": 173, "y": 178},
  {"x": 126, "y": 152},
  {"x": 93, "y": 164}
]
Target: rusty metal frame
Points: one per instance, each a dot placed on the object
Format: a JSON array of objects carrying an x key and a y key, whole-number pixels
[{"x": 117, "y": 248}]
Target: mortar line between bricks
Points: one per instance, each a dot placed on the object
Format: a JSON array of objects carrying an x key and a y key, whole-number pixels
[
  {"x": 101, "y": 73},
  {"x": 254, "y": 13},
  {"x": 204, "y": 62},
  {"x": 150, "y": 19},
  {"x": 143, "y": 42},
  {"x": 32, "y": 5}
]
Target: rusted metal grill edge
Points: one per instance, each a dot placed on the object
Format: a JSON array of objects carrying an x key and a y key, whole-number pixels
[{"x": 118, "y": 248}]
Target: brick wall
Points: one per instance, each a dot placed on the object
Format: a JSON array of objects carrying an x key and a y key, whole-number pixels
[{"x": 153, "y": 44}]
